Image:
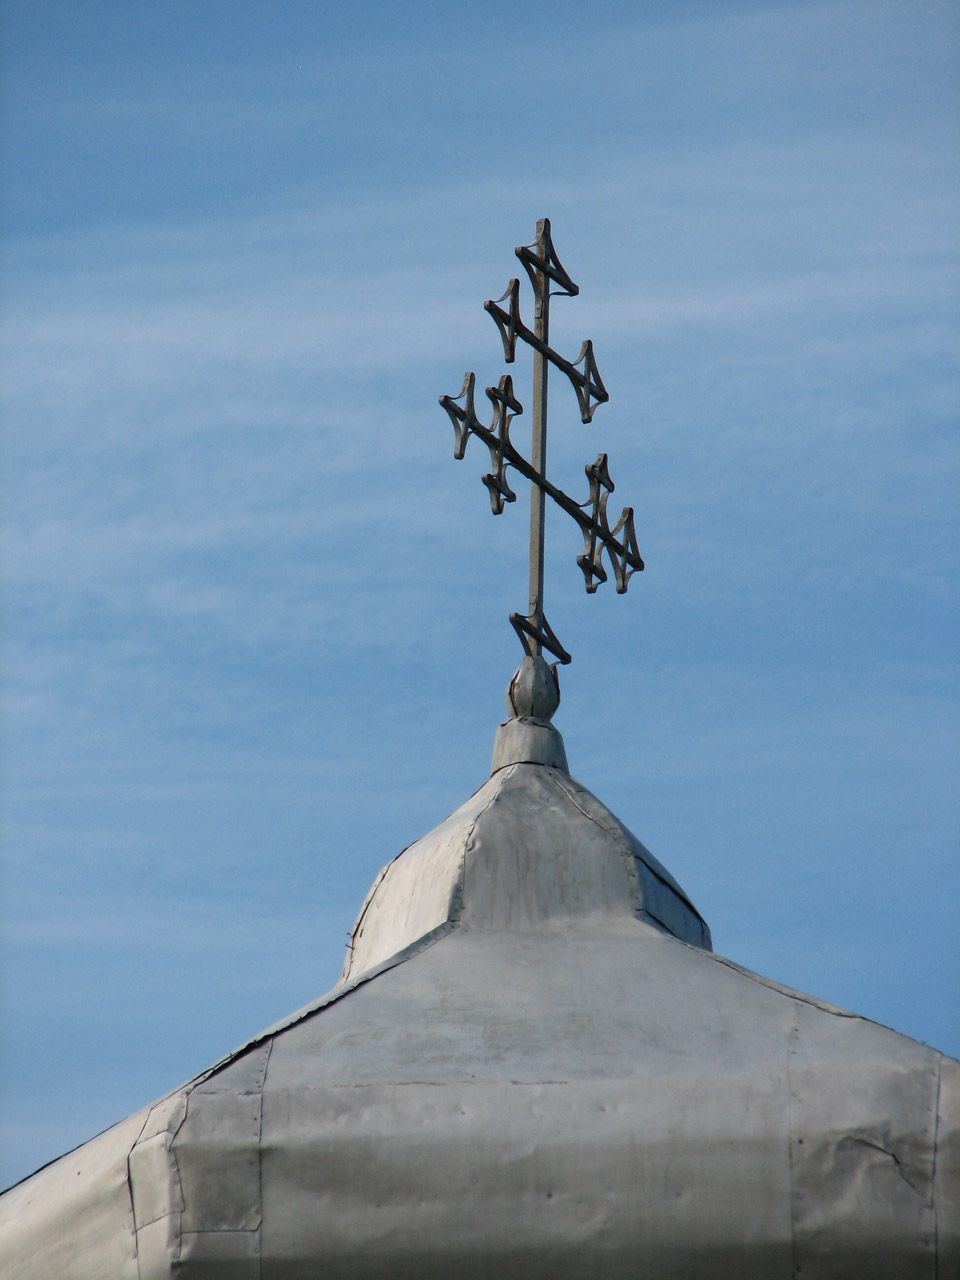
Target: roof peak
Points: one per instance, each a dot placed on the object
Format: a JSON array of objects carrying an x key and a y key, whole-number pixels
[{"x": 531, "y": 846}]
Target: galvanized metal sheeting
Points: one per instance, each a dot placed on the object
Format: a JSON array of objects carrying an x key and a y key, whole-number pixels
[
  {"x": 74, "y": 1217},
  {"x": 531, "y": 845},
  {"x": 544, "y": 1083}
]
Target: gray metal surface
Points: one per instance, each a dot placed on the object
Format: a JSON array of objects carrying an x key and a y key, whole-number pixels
[
  {"x": 521, "y": 740},
  {"x": 74, "y": 1218},
  {"x": 604, "y": 1101},
  {"x": 523, "y": 1073},
  {"x": 946, "y": 1183},
  {"x": 531, "y": 845}
]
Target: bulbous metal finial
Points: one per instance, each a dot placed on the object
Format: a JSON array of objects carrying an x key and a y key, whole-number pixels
[
  {"x": 534, "y": 690},
  {"x": 528, "y": 737}
]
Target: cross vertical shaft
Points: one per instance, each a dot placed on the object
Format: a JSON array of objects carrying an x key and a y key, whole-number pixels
[{"x": 539, "y": 458}]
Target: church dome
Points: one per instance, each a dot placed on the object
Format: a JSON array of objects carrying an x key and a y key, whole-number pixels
[
  {"x": 531, "y": 846},
  {"x": 533, "y": 1065}
]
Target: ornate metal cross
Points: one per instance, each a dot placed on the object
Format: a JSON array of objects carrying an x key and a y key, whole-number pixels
[{"x": 620, "y": 543}]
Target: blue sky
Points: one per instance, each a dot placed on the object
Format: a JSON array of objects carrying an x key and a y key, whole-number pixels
[{"x": 256, "y": 636}]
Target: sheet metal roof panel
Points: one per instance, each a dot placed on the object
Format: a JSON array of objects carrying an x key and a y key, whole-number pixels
[
  {"x": 541, "y": 1084},
  {"x": 534, "y": 856},
  {"x": 863, "y": 1122},
  {"x": 629, "y": 992},
  {"x": 418, "y": 890},
  {"x": 529, "y": 1103},
  {"x": 583, "y": 1178},
  {"x": 587, "y": 1096},
  {"x": 73, "y": 1219},
  {"x": 452, "y": 1107},
  {"x": 532, "y": 844}
]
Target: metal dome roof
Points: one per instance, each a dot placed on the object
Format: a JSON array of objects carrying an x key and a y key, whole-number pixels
[
  {"x": 531, "y": 845},
  {"x": 532, "y": 1066}
]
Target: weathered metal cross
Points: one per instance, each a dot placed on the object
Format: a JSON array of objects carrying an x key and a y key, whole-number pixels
[{"x": 620, "y": 543}]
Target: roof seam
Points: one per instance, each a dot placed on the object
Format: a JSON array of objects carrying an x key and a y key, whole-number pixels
[
  {"x": 661, "y": 873},
  {"x": 423, "y": 943},
  {"x": 799, "y": 996},
  {"x": 630, "y": 855},
  {"x": 508, "y": 771},
  {"x": 454, "y": 906}
]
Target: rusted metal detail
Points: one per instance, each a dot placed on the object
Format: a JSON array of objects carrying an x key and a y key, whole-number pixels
[
  {"x": 619, "y": 542},
  {"x": 496, "y": 437},
  {"x": 541, "y": 260}
]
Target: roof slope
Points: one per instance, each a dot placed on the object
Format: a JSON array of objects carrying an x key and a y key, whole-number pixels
[
  {"x": 526, "y": 1071},
  {"x": 531, "y": 845}
]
